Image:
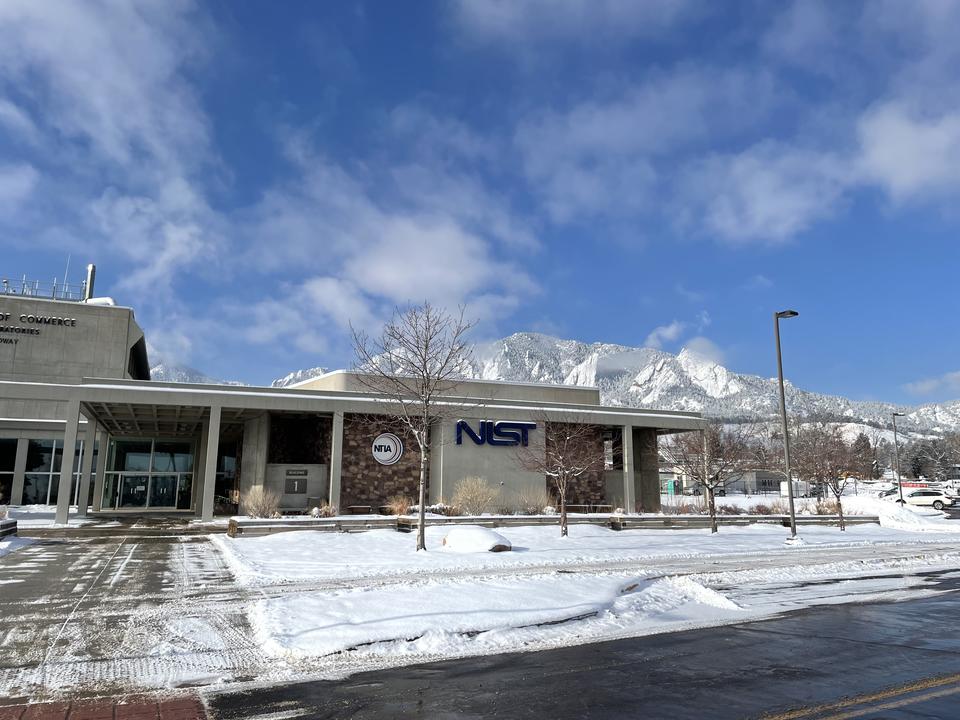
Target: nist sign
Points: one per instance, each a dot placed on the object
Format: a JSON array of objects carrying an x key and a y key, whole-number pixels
[
  {"x": 496, "y": 432},
  {"x": 387, "y": 449}
]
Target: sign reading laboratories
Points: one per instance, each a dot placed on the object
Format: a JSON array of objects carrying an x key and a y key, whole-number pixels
[
  {"x": 387, "y": 449},
  {"x": 496, "y": 432}
]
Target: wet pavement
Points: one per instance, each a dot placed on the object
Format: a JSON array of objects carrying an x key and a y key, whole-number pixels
[
  {"x": 889, "y": 660},
  {"x": 99, "y": 616}
]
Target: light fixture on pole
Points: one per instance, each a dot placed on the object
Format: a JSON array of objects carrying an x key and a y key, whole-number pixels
[
  {"x": 896, "y": 452},
  {"x": 783, "y": 417}
]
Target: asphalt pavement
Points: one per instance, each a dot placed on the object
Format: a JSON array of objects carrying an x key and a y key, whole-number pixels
[{"x": 889, "y": 660}]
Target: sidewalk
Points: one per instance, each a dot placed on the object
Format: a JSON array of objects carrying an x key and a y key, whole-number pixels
[{"x": 176, "y": 708}]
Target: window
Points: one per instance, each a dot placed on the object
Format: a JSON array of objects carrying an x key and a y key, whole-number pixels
[{"x": 8, "y": 458}]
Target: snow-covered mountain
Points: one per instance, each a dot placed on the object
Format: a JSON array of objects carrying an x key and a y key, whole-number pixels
[
  {"x": 645, "y": 377},
  {"x": 648, "y": 378},
  {"x": 298, "y": 376},
  {"x": 168, "y": 372}
]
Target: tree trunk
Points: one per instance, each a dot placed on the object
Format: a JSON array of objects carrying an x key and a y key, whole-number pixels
[
  {"x": 840, "y": 514},
  {"x": 422, "y": 514},
  {"x": 712, "y": 505},
  {"x": 563, "y": 514}
]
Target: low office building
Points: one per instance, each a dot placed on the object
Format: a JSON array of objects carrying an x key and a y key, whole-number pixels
[{"x": 81, "y": 424}]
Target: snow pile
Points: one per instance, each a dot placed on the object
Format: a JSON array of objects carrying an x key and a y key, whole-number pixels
[
  {"x": 483, "y": 615},
  {"x": 11, "y": 543},
  {"x": 900, "y": 517},
  {"x": 471, "y": 538}
]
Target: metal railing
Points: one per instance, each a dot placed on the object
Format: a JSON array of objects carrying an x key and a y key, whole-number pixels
[{"x": 55, "y": 290}]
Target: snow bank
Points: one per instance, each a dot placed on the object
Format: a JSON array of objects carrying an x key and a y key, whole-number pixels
[
  {"x": 444, "y": 616},
  {"x": 900, "y": 517},
  {"x": 471, "y": 538},
  {"x": 11, "y": 543}
]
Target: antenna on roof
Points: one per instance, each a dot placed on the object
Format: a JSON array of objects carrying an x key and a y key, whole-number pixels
[{"x": 66, "y": 271}]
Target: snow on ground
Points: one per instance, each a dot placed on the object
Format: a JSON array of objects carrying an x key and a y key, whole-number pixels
[
  {"x": 12, "y": 543},
  {"x": 306, "y": 556},
  {"x": 44, "y": 516}
]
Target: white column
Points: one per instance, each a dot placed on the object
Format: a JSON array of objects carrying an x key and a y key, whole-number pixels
[
  {"x": 336, "y": 458},
  {"x": 99, "y": 474},
  {"x": 212, "y": 446},
  {"x": 66, "y": 463},
  {"x": 629, "y": 502},
  {"x": 19, "y": 471},
  {"x": 86, "y": 465}
]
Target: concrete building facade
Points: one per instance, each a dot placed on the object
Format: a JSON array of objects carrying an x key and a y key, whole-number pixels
[{"x": 122, "y": 444}]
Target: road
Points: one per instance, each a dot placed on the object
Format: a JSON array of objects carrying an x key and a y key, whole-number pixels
[{"x": 876, "y": 660}]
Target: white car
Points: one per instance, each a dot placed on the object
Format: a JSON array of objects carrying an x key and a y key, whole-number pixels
[{"x": 935, "y": 498}]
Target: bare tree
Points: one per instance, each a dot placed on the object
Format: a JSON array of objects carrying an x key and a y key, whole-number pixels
[
  {"x": 713, "y": 458},
  {"x": 571, "y": 451},
  {"x": 419, "y": 355},
  {"x": 824, "y": 457}
]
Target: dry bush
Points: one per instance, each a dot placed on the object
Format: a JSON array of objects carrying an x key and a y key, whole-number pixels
[
  {"x": 324, "y": 511},
  {"x": 260, "y": 503},
  {"x": 826, "y": 507},
  {"x": 474, "y": 495},
  {"x": 728, "y": 510},
  {"x": 761, "y": 509},
  {"x": 3, "y": 512},
  {"x": 398, "y": 504},
  {"x": 534, "y": 501},
  {"x": 683, "y": 508},
  {"x": 779, "y": 507}
]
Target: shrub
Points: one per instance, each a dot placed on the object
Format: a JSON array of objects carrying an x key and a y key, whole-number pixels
[
  {"x": 779, "y": 507},
  {"x": 728, "y": 510},
  {"x": 533, "y": 501},
  {"x": 684, "y": 507},
  {"x": 761, "y": 509},
  {"x": 398, "y": 504},
  {"x": 3, "y": 512},
  {"x": 474, "y": 495},
  {"x": 323, "y": 511},
  {"x": 259, "y": 502},
  {"x": 826, "y": 507}
]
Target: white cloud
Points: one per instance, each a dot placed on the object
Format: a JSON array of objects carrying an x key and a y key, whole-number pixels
[
  {"x": 664, "y": 333},
  {"x": 766, "y": 194},
  {"x": 17, "y": 183},
  {"x": 909, "y": 153},
  {"x": 17, "y": 121},
  {"x": 518, "y": 22},
  {"x": 758, "y": 282},
  {"x": 601, "y": 155},
  {"x": 946, "y": 383},
  {"x": 706, "y": 349}
]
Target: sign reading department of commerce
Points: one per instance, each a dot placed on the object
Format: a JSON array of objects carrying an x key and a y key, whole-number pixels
[
  {"x": 387, "y": 449},
  {"x": 31, "y": 325}
]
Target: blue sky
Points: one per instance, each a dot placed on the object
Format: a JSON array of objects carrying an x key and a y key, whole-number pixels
[{"x": 251, "y": 177}]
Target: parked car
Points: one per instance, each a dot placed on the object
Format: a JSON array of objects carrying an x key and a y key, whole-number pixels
[
  {"x": 935, "y": 498},
  {"x": 888, "y": 493}
]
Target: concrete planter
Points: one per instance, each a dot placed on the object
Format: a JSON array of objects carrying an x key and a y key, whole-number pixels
[{"x": 8, "y": 527}]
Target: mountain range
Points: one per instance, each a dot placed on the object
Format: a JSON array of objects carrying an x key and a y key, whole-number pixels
[{"x": 651, "y": 378}]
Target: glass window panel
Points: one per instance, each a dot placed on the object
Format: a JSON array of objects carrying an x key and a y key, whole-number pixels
[
  {"x": 39, "y": 456},
  {"x": 8, "y": 454},
  {"x": 78, "y": 456},
  {"x": 172, "y": 457},
  {"x": 6, "y": 488},
  {"x": 35, "y": 488},
  {"x": 185, "y": 492},
  {"x": 109, "y": 499},
  {"x": 132, "y": 455}
]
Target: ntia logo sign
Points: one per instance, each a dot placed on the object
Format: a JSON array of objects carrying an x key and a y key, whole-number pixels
[{"x": 496, "y": 432}]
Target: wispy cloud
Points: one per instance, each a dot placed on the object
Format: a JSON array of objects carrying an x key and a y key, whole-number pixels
[{"x": 946, "y": 383}]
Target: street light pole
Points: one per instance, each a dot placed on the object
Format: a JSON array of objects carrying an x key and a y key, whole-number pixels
[
  {"x": 896, "y": 452},
  {"x": 783, "y": 417}
]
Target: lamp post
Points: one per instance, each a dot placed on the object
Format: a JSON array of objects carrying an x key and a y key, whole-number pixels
[
  {"x": 783, "y": 417},
  {"x": 896, "y": 452}
]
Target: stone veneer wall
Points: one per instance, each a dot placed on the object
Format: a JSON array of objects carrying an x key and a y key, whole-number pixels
[
  {"x": 364, "y": 481},
  {"x": 590, "y": 488}
]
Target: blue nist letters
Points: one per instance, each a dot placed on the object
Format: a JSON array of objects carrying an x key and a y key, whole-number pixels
[{"x": 500, "y": 432}]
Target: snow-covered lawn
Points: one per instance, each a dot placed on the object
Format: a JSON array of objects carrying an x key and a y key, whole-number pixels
[
  {"x": 10, "y": 543},
  {"x": 354, "y": 600}
]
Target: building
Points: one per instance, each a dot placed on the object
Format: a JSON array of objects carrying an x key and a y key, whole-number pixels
[{"x": 80, "y": 419}]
